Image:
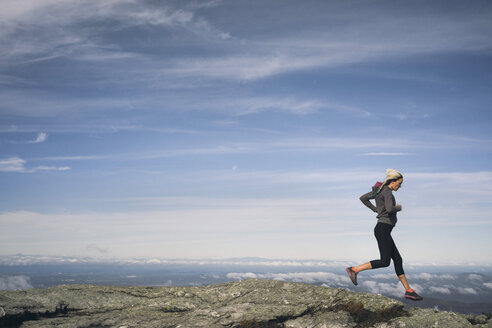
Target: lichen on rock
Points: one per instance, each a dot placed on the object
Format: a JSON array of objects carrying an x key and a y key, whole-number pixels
[{"x": 241, "y": 304}]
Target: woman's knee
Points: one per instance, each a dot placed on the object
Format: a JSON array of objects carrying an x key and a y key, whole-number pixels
[
  {"x": 398, "y": 260},
  {"x": 385, "y": 262}
]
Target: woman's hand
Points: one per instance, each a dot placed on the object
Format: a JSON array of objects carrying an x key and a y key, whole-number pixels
[{"x": 398, "y": 207}]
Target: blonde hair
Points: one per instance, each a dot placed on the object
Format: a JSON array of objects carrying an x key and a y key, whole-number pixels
[{"x": 391, "y": 175}]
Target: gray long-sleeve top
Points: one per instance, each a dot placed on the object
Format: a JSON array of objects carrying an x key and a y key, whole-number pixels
[{"x": 385, "y": 205}]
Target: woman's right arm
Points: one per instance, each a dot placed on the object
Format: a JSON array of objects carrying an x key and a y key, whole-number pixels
[{"x": 365, "y": 199}]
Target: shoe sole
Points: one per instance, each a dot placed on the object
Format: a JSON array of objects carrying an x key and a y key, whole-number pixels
[
  {"x": 350, "y": 276},
  {"x": 413, "y": 298}
]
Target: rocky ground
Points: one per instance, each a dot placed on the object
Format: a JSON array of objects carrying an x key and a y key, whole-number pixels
[{"x": 249, "y": 303}]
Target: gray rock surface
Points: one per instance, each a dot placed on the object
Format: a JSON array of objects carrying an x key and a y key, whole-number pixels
[{"x": 250, "y": 303}]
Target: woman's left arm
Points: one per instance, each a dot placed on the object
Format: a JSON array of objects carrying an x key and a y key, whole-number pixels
[{"x": 388, "y": 203}]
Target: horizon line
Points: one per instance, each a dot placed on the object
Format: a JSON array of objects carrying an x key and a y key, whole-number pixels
[{"x": 30, "y": 259}]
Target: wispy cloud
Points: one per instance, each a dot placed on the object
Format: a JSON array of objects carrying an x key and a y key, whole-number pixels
[
  {"x": 37, "y": 104},
  {"x": 60, "y": 31},
  {"x": 75, "y": 158},
  {"x": 42, "y": 137},
  {"x": 13, "y": 80},
  {"x": 284, "y": 145},
  {"x": 51, "y": 168},
  {"x": 276, "y": 145},
  {"x": 367, "y": 39},
  {"x": 18, "y": 165},
  {"x": 404, "y": 116},
  {"x": 353, "y": 40},
  {"x": 253, "y": 105},
  {"x": 12, "y": 164},
  {"x": 256, "y": 105},
  {"x": 386, "y": 154},
  {"x": 453, "y": 178},
  {"x": 240, "y": 68},
  {"x": 281, "y": 143}
]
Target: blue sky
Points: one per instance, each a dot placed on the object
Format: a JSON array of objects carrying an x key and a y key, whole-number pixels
[{"x": 224, "y": 129}]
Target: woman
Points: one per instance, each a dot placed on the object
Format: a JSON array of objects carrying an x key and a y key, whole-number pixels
[{"x": 386, "y": 208}]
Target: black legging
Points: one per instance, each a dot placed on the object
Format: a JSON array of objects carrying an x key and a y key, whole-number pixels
[{"x": 387, "y": 249}]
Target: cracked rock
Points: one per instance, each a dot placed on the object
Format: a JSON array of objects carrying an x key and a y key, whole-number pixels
[{"x": 242, "y": 304}]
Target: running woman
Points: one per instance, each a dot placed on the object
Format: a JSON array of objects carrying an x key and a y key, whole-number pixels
[{"x": 386, "y": 209}]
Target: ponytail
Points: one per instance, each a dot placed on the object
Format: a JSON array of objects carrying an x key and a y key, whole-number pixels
[{"x": 380, "y": 185}]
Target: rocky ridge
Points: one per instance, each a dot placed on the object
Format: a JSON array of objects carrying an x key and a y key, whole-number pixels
[{"x": 250, "y": 303}]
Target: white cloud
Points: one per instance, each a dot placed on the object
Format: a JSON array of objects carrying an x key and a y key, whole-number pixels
[
  {"x": 15, "y": 283},
  {"x": 386, "y": 154},
  {"x": 17, "y": 164},
  {"x": 306, "y": 277},
  {"x": 424, "y": 276},
  {"x": 40, "y": 138},
  {"x": 37, "y": 259},
  {"x": 440, "y": 290},
  {"x": 12, "y": 164},
  {"x": 474, "y": 276},
  {"x": 383, "y": 276},
  {"x": 241, "y": 276},
  {"x": 402, "y": 117},
  {"x": 393, "y": 289},
  {"x": 467, "y": 291},
  {"x": 488, "y": 284},
  {"x": 75, "y": 158},
  {"x": 52, "y": 168},
  {"x": 446, "y": 276}
]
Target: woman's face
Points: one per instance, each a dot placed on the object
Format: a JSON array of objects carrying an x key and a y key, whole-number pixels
[{"x": 395, "y": 185}]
